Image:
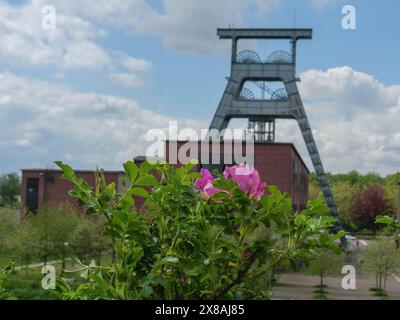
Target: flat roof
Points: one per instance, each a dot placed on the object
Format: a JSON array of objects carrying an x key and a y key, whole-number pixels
[
  {"x": 60, "y": 171},
  {"x": 289, "y": 144},
  {"x": 144, "y": 158}
]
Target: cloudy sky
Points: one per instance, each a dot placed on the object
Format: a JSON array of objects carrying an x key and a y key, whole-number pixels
[{"x": 88, "y": 91}]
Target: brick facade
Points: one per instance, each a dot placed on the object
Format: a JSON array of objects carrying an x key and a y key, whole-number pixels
[
  {"x": 279, "y": 164},
  {"x": 51, "y": 189}
]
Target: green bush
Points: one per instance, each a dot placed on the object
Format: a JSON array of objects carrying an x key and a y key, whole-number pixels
[
  {"x": 4, "y": 293},
  {"x": 323, "y": 263},
  {"x": 191, "y": 244},
  {"x": 8, "y": 227}
]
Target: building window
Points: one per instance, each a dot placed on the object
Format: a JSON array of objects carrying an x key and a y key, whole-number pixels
[{"x": 32, "y": 194}]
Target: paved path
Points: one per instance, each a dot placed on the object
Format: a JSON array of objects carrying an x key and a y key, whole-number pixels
[
  {"x": 301, "y": 286},
  {"x": 39, "y": 265}
]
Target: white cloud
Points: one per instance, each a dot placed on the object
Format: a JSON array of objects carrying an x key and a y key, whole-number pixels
[
  {"x": 115, "y": 13},
  {"x": 43, "y": 122},
  {"x": 71, "y": 45},
  {"x": 190, "y": 25},
  {"x": 353, "y": 115},
  {"x": 85, "y": 55},
  {"x": 125, "y": 79},
  {"x": 182, "y": 25},
  {"x": 136, "y": 65},
  {"x": 323, "y": 4},
  {"x": 354, "y": 119},
  {"x": 347, "y": 91},
  {"x": 132, "y": 67}
]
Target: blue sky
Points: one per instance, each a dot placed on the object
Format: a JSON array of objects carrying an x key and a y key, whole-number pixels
[{"x": 88, "y": 92}]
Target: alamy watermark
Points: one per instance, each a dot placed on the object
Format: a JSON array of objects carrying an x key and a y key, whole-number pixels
[
  {"x": 49, "y": 279},
  {"x": 349, "y": 19},
  {"x": 49, "y": 17},
  {"x": 349, "y": 280},
  {"x": 228, "y": 147}
]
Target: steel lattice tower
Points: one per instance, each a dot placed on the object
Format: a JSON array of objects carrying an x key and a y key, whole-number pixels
[{"x": 284, "y": 103}]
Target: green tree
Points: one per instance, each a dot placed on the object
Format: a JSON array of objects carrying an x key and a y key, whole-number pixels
[
  {"x": 314, "y": 189},
  {"x": 343, "y": 190},
  {"x": 8, "y": 227},
  {"x": 89, "y": 240},
  {"x": 9, "y": 189},
  {"x": 325, "y": 262},
  {"x": 25, "y": 244},
  {"x": 344, "y": 193},
  {"x": 347, "y": 188},
  {"x": 56, "y": 225},
  {"x": 381, "y": 258},
  {"x": 390, "y": 184},
  {"x": 355, "y": 178}
]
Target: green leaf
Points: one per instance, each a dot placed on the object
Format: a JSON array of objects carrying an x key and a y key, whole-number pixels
[
  {"x": 300, "y": 220},
  {"x": 140, "y": 192},
  {"x": 190, "y": 165},
  {"x": 145, "y": 168},
  {"x": 147, "y": 180},
  {"x": 385, "y": 220},
  {"x": 266, "y": 201},
  {"x": 85, "y": 273},
  {"x": 224, "y": 184},
  {"x": 69, "y": 173},
  {"x": 92, "y": 264},
  {"x": 113, "y": 233},
  {"x": 91, "y": 211},
  {"x": 135, "y": 256},
  {"x": 131, "y": 170},
  {"x": 146, "y": 292},
  {"x": 169, "y": 260},
  {"x": 193, "y": 175},
  {"x": 110, "y": 189},
  {"x": 126, "y": 202},
  {"x": 339, "y": 235}
]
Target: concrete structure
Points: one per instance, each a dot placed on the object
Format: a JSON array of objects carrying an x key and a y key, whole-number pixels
[
  {"x": 280, "y": 99},
  {"x": 279, "y": 164},
  {"x": 42, "y": 186}
]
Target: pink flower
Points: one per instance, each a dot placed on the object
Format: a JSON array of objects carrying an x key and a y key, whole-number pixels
[
  {"x": 259, "y": 192},
  {"x": 248, "y": 179},
  {"x": 207, "y": 177},
  {"x": 209, "y": 190},
  {"x": 205, "y": 184}
]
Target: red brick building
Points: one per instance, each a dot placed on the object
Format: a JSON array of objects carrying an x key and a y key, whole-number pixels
[
  {"x": 42, "y": 186},
  {"x": 279, "y": 164}
]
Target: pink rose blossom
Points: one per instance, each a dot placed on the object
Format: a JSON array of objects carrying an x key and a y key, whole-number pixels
[
  {"x": 205, "y": 184},
  {"x": 209, "y": 190},
  {"x": 248, "y": 179},
  {"x": 207, "y": 177},
  {"x": 259, "y": 192}
]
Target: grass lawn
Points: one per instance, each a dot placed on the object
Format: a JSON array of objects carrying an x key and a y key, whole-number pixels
[
  {"x": 4, "y": 259},
  {"x": 25, "y": 284}
]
